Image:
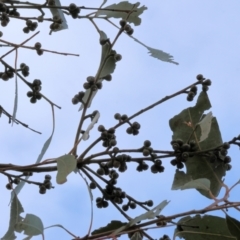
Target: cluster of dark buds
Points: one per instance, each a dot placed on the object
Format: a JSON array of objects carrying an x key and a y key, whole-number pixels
[
  {"x": 205, "y": 82},
  {"x": 4, "y": 19},
  {"x": 56, "y": 23},
  {"x": 182, "y": 151},
  {"x": 126, "y": 27},
  {"x": 92, "y": 84},
  {"x": 118, "y": 162},
  {"x": 108, "y": 137},
  {"x": 157, "y": 166},
  {"x": 192, "y": 93},
  {"x": 165, "y": 237},
  {"x": 31, "y": 26},
  {"x": 78, "y": 98},
  {"x": 157, "y": 163},
  {"x": 14, "y": 12},
  {"x": 220, "y": 156},
  {"x": 73, "y": 10},
  {"x": 14, "y": 181},
  {"x": 24, "y": 69},
  {"x": 5, "y": 76},
  {"x": 134, "y": 127},
  {"x": 38, "y": 46},
  {"x": 47, "y": 184},
  {"x": 35, "y": 95}
]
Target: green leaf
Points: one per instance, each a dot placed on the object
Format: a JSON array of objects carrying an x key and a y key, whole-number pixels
[
  {"x": 180, "y": 179},
  {"x": 197, "y": 167},
  {"x": 107, "y": 63},
  {"x": 134, "y": 16},
  {"x": 65, "y": 165},
  {"x": 113, "y": 225},
  {"x": 201, "y": 183},
  {"x": 205, "y": 125},
  {"x": 156, "y": 53},
  {"x": 16, "y": 210},
  {"x": 31, "y": 225},
  {"x": 203, "y": 228},
  {"x": 233, "y": 226}
]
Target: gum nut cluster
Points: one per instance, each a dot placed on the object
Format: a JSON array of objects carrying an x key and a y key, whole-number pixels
[
  {"x": 5, "y": 76},
  {"x": 35, "y": 95},
  {"x": 78, "y": 98},
  {"x": 108, "y": 137},
  {"x": 192, "y": 93},
  {"x": 56, "y": 23},
  {"x": 47, "y": 184},
  {"x": 38, "y": 46},
  {"x": 92, "y": 84},
  {"x": 126, "y": 27},
  {"x": 205, "y": 82},
  {"x": 226, "y": 159},
  {"x": 73, "y": 10},
  {"x": 14, "y": 12},
  {"x": 130, "y": 204},
  {"x": 165, "y": 237},
  {"x": 4, "y": 19},
  {"x": 31, "y": 26},
  {"x": 182, "y": 151},
  {"x": 24, "y": 69}
]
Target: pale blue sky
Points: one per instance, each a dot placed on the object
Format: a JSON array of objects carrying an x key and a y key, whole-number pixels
[{"x": 203, "y": 36}]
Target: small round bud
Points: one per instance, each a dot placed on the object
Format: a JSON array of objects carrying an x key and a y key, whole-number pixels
[
  {"x": 117, "y": 57},
  {"x": 207, "y": 82},
  {"x": 92, "y": 185},
  {"x": 91, "y": 79},
  {"x": 129, "y": 130},
  {"x": 226, "y": 145},
  {"x": 146, "y": 152},
  {"x": 38, "y": 45},
  {"x": 86, "y": 85},
  {"x": 200, "y": 77},
  {"x": 100, "y": 171},
  {"x": 125, "y": 207},
  {"x": 149, "y": 203},
  {"x": 39, "y": 52},
  {"x": 101, "y": 128},
  {"x": 75, "y": 101},
  {"x": 130, "y": 32},
  {"x": 117, "y": 116},
  {"x": 16, "y": 181},
  {"x": 42, "y": 189},
  {"x": 174, "y": 162},
  {"x": 48, "y": 177},
  {"x": 123, "y": 23},
  {"x": 127, "y": 27},
  {"x": 227, "y": 159},
  {"x": 124, "y": 117},
  {"x": 147, "y": 143},
  {"x": 132, "y": 205},
  {"x": 9, "y": 186},
  {"x": 193, "y": 89},
  {"x": 180, "y": 165}
]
